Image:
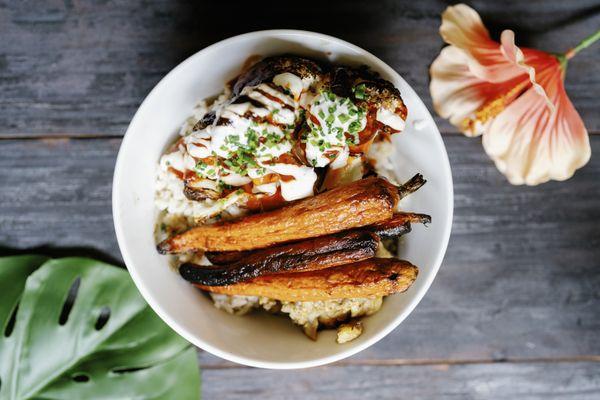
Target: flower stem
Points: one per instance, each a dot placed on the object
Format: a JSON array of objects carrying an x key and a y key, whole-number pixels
[{"x": 588, "y": 41}]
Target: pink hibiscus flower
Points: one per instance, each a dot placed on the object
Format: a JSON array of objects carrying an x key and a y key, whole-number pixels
[{"x": 514, "y": 97}]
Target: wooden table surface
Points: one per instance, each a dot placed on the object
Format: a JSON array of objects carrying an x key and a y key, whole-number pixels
[{"x": 515, "y": 310}]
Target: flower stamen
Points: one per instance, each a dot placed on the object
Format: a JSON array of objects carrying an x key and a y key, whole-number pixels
[{"x": 492, "y": 108}]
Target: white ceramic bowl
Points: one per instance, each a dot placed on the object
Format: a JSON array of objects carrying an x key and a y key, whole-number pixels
[{"x": 258, "y": 339}]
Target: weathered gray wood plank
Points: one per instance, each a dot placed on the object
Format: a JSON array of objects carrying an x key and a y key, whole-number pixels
[
  {"x": 565, "y": 381},
  {"x": 55, "y": 194},
  {"x": 84, "y": 67},
  {"x": 521, "y": 278}
]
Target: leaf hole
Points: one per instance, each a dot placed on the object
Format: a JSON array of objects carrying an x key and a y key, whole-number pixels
[
  {"x": 80, "y": 377},
  {"x": 126, "y": 370},
  {"x": 102, "y": 318},
  {"x": 10, "y": 326},
  {"x": 69, "y": 301}
]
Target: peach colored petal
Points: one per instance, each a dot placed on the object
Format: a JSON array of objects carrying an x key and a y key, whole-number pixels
[
  {"x": 516, "y": 56},
  {"x": 475, "y": 71},
  {"x": 462, "y": 27},
  {"x": 457, "y": 94},
  {"x": 532, "y": 144}
]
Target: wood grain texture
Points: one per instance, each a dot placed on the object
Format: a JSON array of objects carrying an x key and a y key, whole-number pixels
[
  {"x": 513, "y": 313},
  {"x": 521, "y": 277},
  {"x": 83, "y": 67},
  {"x": 55, "y": 196},
  {"x": 564, "y": 381}
]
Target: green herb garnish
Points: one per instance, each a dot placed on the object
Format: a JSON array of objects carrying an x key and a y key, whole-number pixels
[{"x": 359, "y": 91}]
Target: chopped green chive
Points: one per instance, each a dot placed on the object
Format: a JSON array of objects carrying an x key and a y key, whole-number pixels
[{"x": 359, "y": 91}]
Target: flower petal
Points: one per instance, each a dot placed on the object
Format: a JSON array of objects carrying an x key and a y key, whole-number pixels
[
  {"x": 540, "y": 59},
  {"x": 462, "y": 27},
  {"x": 457, "y": 93},
  {"x": 532, "y": 144}
]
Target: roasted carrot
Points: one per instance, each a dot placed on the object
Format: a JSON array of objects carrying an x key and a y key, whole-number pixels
[
  {"x": 372, "y": 277},
  {"x": 308, "y": 255},
  {"x": 361, "y": 203},
  {"x": 398, "y": 225}
]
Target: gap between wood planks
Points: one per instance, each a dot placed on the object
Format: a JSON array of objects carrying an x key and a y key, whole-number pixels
[
  {"x": 435, "y": 362},
  {"x": 59, "y": 136}
]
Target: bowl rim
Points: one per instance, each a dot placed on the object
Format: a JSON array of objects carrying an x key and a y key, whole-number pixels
[{"x": 224, "y": 354}]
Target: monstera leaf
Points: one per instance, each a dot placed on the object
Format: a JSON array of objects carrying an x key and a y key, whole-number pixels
[{"x": 76, "y": 328}]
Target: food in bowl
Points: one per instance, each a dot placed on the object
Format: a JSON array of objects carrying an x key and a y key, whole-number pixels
[{"x": 277, "y": 195}]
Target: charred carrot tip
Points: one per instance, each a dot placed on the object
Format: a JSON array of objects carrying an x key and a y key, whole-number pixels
[
  {"x": 412, "y": 185},
  {"x": 425, "y": 219}
]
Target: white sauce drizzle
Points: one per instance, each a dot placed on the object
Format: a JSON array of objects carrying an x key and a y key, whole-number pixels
[
  {"x": 336, "y": 116},
  {"x": 390, "y": 119},
  {"x": 247, "y": 146}
]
